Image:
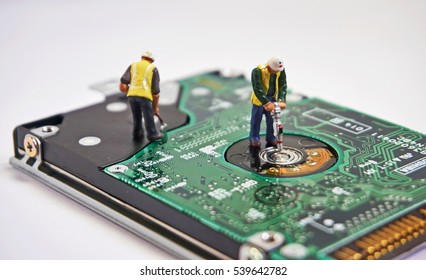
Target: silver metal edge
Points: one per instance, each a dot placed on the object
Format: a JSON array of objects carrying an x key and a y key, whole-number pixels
[{"x": 121, "y": 220}]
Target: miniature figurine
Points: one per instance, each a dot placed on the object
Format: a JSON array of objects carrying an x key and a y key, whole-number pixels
[
  {"x": 269, "y": 86},
  {"x": 141, "y": 84}
]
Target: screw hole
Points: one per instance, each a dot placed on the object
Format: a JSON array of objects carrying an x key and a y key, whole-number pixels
[{"x": 47, "y": 129}]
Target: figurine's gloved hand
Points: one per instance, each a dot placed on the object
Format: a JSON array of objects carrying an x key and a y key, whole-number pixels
[
  {"x": 156, "y": 110},
  {"x": 282, "y": 105},
  {"x": 269, "y": 106},
  {"x": 124, "y": 88}
]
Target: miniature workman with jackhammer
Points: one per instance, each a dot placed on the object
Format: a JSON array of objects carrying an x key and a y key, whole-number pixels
[
  {"x": 141, "y": 83},
  {"x": 269, "y": 88}
]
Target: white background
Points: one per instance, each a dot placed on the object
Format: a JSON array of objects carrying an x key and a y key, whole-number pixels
[{"x": 367, "y": 55}]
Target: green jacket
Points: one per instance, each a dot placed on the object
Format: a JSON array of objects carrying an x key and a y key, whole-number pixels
[{"x": 267, "y": 84}]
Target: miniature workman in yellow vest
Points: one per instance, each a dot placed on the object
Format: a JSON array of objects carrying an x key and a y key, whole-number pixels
[
  {"x": 269, "y": 85},
  {"x": 141, "y": 83}
]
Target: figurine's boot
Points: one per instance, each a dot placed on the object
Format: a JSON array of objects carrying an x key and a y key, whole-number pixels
[
  {"x": 255, "y": 143},
  {"x": 272, "y": 143},
  {"x": 156, "y": 137}
]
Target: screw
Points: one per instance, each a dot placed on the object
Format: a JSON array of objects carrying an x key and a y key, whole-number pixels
[
  {"x": 254, "y": 253},
  {"x": 31, "y": 145},
  {"x": 268, "y": 236}
]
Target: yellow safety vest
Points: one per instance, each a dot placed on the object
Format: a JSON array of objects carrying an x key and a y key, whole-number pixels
[
  {"x": 265, "y": 83},
  {"x": 141, "y": 79}
]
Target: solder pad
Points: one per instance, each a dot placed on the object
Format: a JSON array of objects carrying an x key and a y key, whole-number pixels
[{"x": 367, "y": 202}]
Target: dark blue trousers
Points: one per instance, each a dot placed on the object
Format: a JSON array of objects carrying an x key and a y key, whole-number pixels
[
  {"x": 257, "y": 113},
  {"x": 142, "y": 107}
]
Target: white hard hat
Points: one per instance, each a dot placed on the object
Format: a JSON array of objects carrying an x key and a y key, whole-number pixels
[
  {"x": 276, "y": 64},
  {"x": 148, "y": 54}
]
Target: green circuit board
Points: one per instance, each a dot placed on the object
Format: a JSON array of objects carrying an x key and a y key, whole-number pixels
[{"x": 368, "y": 204}]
